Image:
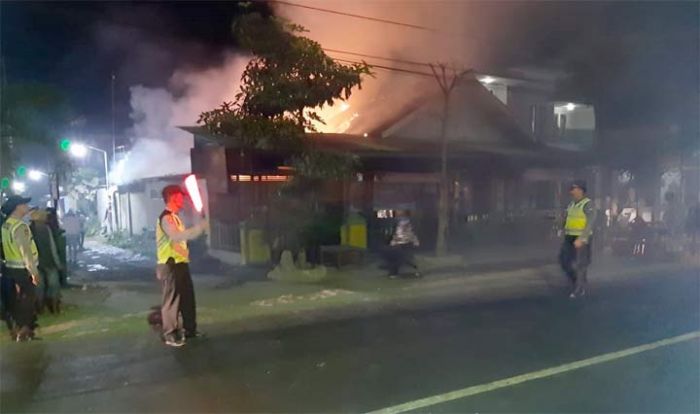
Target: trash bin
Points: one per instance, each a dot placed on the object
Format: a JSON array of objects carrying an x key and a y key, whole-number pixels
[
  {"x": 354, "y": 231},
  {"x": 254, "y": 247}
]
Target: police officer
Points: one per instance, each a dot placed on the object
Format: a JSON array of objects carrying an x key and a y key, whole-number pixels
[
  {"x": 173, "y": 269},
  {"x": 21, "y": 268},
  {"x": 575, "y": 255}
]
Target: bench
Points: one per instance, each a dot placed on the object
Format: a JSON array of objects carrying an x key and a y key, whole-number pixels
[{"x": 339, "y": 256}]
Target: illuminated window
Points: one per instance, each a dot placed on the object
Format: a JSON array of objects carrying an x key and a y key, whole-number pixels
[{"x": 260, "y": 178}]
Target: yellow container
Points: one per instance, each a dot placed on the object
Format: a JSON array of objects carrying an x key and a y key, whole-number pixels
[
  {"x": 254, "y": 248},
  {"x": 354, "y": 232}
]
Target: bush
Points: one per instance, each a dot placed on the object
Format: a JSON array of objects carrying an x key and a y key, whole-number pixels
[{"x": 141, "y": 243}]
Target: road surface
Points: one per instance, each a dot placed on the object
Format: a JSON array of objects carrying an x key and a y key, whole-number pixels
[{"x": 382, "y": 362}]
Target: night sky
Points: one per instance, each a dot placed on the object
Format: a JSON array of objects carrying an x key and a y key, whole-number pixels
[{"x": 77, "y": 46}]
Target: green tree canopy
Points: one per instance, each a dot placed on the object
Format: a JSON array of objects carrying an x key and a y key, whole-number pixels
[
  {"x": 30, "y": 113},
  {"x": 285, "y": 83}
]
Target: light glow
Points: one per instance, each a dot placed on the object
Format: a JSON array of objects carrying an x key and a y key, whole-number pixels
[
  {"x": 78, "y": 150},
  {"x": 19, "y": 186},
  {"x": 35, "y": 175},
  {"x": 193, "y": 191}
]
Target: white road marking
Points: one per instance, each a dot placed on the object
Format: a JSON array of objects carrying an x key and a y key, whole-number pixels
[{"x": 530, "y": 376}]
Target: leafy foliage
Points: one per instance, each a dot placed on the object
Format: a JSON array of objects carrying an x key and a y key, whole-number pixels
[
  {"x": 288, "y": 79},
  {"x": 30, "y": 113}
]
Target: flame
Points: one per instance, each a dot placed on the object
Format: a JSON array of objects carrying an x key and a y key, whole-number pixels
[{"x": 336, "y": 117}]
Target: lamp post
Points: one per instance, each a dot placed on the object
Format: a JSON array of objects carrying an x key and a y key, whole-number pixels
[
  {"x": 36, "y": 175},
  {"x": 80, "y": 151}
]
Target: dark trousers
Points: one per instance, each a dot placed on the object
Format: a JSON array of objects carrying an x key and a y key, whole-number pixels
[
  {"x": 20, "y": 299},
  {"x": 73, "y": 242},
  {"x": 575, "y": 261},
  {"x": 399, "y": 255},
  {"x": 178, "y": 299},
  {"x": 7, "y": 293}
]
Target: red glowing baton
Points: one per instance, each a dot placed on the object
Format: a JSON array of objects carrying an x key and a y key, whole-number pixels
[{"x": 193, "y": 191}]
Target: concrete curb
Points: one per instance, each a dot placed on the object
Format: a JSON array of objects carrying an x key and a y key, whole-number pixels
[
  {"x": 312, "y": 304},
  {"x": 415, "y": 295}
]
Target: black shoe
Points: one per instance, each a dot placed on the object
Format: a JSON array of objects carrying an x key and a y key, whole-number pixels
[{"x": 195, "y": 335}]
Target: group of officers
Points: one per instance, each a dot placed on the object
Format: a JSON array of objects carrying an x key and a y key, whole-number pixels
[{"x": 21, "y": 267}]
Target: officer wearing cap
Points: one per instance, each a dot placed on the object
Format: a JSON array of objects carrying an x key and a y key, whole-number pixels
[
  {"x": 21, "y": 268},
  {"x": 575, "y": 255},
  {"x": 173, "y": 269}
]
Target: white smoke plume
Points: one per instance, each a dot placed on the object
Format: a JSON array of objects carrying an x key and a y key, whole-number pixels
[
  {"x": 464, "y": 34},
  {"x": 160, "y": 148}
]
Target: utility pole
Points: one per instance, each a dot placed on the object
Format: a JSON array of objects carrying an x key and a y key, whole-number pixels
[
  {"x": 111, "y": 204},
  {"x": 447, "y": 80},
  {"x": 114, "y": 136}
]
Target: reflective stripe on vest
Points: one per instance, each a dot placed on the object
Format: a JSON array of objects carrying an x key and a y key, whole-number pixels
[
  {"x": 576, "y": 218},
  {"x": 165, "y": 246},
  {"x": 13, "y": 255}
]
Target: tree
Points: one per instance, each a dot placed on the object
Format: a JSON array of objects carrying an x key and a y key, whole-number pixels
[
  {"x": 447, "y": 80},
  {"x": 30, "y": 113},
  {"x": 288, "y": 79},
  {"x": 285, "y": 83},
  {"x": 82, "y": 186}
]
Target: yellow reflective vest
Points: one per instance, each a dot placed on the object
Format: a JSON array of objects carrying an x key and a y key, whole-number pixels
[
  {"x": 576, "y": 220},
  {"x": 166, "y": 247},
  {"x": 13, "y": 255}
]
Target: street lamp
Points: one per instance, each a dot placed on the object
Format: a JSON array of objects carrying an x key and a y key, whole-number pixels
[
  {"x": 36, "y": 175},
  {"x": 80, "y": 151},
  {"x": 19, "y": 186}
]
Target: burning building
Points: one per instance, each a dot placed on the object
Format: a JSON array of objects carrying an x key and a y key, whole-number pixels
[{"x": 513, "y": 148}]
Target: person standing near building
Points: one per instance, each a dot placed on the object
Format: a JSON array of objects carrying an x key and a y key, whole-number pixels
[
  {"x": 59, "y": 238},
  {"x": 173, "y": 269},
  {"x": 81, "y": 242},
  {"x": 575, "y": 254},
  {"x": 21, "y": 266},
  {"x": 401, "y": 246},
  {"x": 71, "y": 223},
  {"x": 49, "y": 288}
]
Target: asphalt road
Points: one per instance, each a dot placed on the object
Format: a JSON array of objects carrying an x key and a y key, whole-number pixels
[{"x": 361, "y": 365}]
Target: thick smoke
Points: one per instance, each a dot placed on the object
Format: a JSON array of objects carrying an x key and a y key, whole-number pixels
[
  {"x": 466, "y": 35},
  {"x": 160, "y": 147}
]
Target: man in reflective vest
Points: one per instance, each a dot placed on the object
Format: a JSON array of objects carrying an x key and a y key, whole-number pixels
[
  {"x": 575, "y": 255},
  {"x": 173, "y": 269},
  {"x": 21, "y": 268}
]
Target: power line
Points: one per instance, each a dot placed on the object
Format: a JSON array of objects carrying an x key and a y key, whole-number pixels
[
  {"x": 357, "y": 16},
  {"x": 390, "y": 68},
  {"x": 407, "y": 62}
]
